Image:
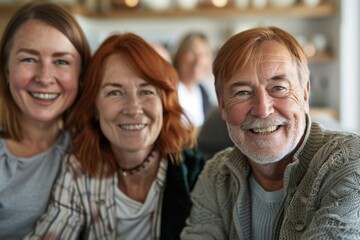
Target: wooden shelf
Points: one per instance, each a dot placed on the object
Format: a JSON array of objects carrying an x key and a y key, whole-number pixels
[
  {"x": 297, "y": 11},
  {"x": 324, "y": 111},
  {"x": 321, "y": 57}
]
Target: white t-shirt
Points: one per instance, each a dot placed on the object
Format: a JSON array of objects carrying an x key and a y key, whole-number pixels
[
  {"x": 192, "y": 103},
  {"x": 136, "y": 220}
]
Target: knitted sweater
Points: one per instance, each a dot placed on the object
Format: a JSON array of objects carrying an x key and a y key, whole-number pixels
[{"x": 322, "y": 187}]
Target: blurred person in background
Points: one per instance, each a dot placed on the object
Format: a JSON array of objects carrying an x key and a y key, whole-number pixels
[
  {"x": 161, "y": 50},
  {"x": 192, "y": 61}
]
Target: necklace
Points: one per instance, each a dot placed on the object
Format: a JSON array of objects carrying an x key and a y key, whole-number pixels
[{"x": 130, "y": 171}]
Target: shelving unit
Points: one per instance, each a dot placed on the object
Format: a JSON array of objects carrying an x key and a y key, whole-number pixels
[
  {"x": 222, "y": 22},
  {"x": 296, "y": 11}
]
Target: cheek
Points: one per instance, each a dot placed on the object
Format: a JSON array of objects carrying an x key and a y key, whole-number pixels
[
  {"x": 106, "y": 114},
  {"x": 106, "y": 111},
  {"x": 155, "y": 111},
  {"x": 69, "y": 80},
  {"x": 18, "y": 77},
  {"x": 294, "y": 101},
  {"x": 234, "y": 113}
]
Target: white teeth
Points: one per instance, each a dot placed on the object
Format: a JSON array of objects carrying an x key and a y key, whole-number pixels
[
  {"x": 132, "y": 127},
  {"x": 265, "y": 130},
  {"x": 45, "y": 96}
]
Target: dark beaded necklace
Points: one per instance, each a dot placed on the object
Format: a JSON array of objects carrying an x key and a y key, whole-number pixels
[{"x": 130, "y": 171}]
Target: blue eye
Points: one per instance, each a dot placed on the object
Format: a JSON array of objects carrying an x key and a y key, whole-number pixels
[
  {"x": 114, "y": 93},
  {"x": 278, "y": 88},
  {"x": 242, "y": 93},
  {"x": 30, "y": 60},
  {"x": 147, "y": 92},
  {"x": 279, "y": 91},
  {"x": 62, "y": 62}
]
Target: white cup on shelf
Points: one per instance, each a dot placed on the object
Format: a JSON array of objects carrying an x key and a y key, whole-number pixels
[
  {"x": 243, "y": 4},
  {"x": 158, "y": 5},
  {"x": 311, "y": 3},
  {"x": 186, "y": 4},
  {"x": 282, "y": 3},
  {"x": 259, "y": 3},
  {"x": 320, "y": 41}
]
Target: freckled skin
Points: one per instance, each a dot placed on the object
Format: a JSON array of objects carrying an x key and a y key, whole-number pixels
[
  {"x": 130, "y": 110},
  {"x": 42, "y": 60}
]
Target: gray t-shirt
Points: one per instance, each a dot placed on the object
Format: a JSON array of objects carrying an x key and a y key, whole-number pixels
[
  {"x": 25, "y": 187},
  {"x": 265, "y": 207}
]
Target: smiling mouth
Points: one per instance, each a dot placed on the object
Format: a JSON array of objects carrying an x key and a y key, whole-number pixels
[
  {"x": 132, "y": 127},
  {"x": 45, "y": 96},
  {"x": 266, "y": 130}
]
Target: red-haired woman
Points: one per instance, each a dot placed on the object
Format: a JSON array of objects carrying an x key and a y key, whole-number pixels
[{"x": 133, "y": 162}]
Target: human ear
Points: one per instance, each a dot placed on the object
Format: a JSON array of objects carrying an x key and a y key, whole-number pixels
[
  {"x": 222, "y": 108},
  {"x": 307, "y": 96}
]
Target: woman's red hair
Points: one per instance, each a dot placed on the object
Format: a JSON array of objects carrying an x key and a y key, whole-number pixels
[{"x": 89, "y": 144}]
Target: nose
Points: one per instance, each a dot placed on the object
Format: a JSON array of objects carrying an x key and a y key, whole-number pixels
[
  {"x": 44, "y": 74},
  {"x": 132, "y": 106},
  {"x": 263, "y": 104}
]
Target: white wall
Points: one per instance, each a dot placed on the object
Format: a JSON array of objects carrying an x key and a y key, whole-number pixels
[{"x": 350, "y": 65}]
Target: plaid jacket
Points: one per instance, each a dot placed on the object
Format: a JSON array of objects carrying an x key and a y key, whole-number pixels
[{"x": 83, "y": 207}]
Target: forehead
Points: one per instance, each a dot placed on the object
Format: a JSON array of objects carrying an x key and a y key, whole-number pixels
[
  {"x": 42, "y": 36},
  {"x": 117, "y": 68},
  {"x": 33, "y": 28},
  {"x": 273, "y": 50},
  {"x": 196, "y": 44},
  {"x": 271, "y": 58}
]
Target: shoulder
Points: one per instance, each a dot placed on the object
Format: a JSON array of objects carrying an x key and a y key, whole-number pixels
[
  {"x": 217, "y": 168},
  {"x": 70, "y": 171},
  {"x": 74, "y": 175},
  {"x": 2, "y": 146},
  {"x": 192, "y": 163},
  {"x": 342, "y": 144},
  {"x": 337, "y": 152},
  {"x": 191, "y": 156},
  {"x": 72, "y": 164}
]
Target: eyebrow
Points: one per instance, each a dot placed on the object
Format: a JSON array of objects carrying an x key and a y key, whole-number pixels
[
  {"x": 35, "y": 52},
  {"x": 113, "y": 84},
  {"x": 278, "y": 77},
  {"x": 239, "y": 84}
]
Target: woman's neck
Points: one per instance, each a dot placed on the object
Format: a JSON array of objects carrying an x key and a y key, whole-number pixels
[
  {"x": 35, "y": 139},
  {"x": 137, "y": 185}
]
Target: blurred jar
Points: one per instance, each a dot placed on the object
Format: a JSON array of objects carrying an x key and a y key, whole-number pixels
[
  {"x": 186, "y": 4},
  {"x": 281, "y": 3},
  {"x": 311, "y": 3},
  {"x": 259, "y": 3},
  {"x": 242, "y": 3},
  {"x": 320, "y": 41},
  {"x": 156, "y": 5}
]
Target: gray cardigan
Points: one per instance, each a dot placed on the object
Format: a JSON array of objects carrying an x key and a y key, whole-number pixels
[{"x": 322, "y": 192}]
